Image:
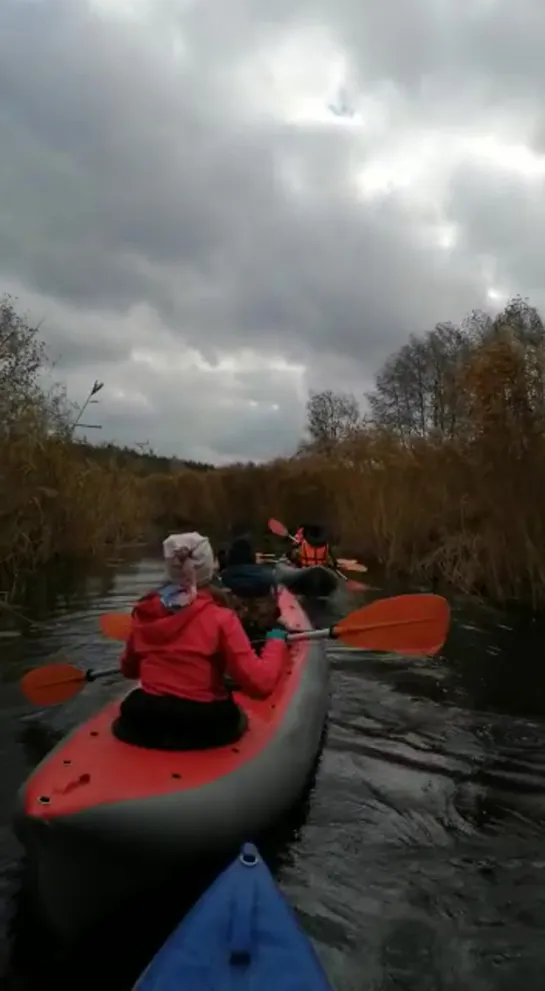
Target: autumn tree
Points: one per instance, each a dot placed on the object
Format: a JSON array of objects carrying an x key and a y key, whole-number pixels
[
  {"x": 416, "y": 393},
  {"x": 21, "y": 358},
  {"x": 24, "y": 402},
  {"x": 504, "y": 381},
  {"x": 520, "y": 326},
  {"x": 453, "y": 381},
  {"x": 332, "y": 417}
]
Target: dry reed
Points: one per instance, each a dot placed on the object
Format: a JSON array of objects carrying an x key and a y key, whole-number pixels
[{"x": 464, "y": 505}]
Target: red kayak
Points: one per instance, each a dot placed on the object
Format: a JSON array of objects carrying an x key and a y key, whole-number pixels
[{"x": 100, "y": 818}]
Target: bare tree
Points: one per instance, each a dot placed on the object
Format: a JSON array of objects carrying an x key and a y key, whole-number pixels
[{"x": 332, "y": 417}]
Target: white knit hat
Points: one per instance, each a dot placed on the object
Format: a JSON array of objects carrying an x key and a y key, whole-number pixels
[{"x": 189, "y": 554}]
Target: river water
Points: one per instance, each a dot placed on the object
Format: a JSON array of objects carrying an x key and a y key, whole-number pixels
[{"x": 417, "y": 861}]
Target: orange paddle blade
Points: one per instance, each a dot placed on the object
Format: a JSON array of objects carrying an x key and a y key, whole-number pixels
[
  {"x": 278, "y": 528},
  {"x": 404, "y": 624},
  {"x": 52, "y": 684},
  {"x": 116, "y": 625}
]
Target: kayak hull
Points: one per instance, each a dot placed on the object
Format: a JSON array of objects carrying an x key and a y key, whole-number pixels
[
  {"x": 241, "y": 933},
  {"x": 101, "y": 819},
  {"x": 314, "y": 582}
]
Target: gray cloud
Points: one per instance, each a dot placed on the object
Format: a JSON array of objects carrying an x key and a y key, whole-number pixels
[{"x": 168, "y": 200}]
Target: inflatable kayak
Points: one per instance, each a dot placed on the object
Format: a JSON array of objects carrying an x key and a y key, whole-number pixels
[
  {"x": 101, "y": 819},
  {"x": 240, "y": 934},
  {"x": 316, "y": 581}
]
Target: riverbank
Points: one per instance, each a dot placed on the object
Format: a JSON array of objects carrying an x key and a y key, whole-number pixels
[
  {"x": 58, "y": 504},
  {"x": 443, "y": 483},
  {"x": 434, "y": 514}
]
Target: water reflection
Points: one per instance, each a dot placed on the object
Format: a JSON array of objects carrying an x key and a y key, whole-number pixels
[{"x": 418, "y": 859}]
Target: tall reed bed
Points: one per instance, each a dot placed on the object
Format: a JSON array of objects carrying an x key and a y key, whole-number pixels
[
  {"x": 459, "y": 496},
  {"x": 445, "y": 480},
  {"x": 431, "y": 512},
  {"x": 55, "y": 503}
]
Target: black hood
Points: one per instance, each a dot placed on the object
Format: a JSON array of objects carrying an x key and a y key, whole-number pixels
[
  {"x": 315, "y": 535},
  {"x": 241, "y": 551}
]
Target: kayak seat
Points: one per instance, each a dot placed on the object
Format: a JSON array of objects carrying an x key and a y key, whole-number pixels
[{"x": 221, "y": 724}]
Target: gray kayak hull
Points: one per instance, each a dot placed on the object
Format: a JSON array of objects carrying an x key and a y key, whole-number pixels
[
  {"x": 85, "y": 859},
  {"x": 314, "y": 582}
]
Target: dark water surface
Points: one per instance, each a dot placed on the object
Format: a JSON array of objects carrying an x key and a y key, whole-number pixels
[{"x": 418, "y": 862}]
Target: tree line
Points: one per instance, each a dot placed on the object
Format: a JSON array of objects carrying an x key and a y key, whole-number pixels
[{"x": 451, "y": 384}]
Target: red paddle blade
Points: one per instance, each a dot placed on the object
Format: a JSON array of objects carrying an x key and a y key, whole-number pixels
[
  {"x": 354, "y": 586},
  {"x": 52, "y": 684},
  {"x": 278, "y": 528},
  {"x": 116, "y": 625},
  {"x": 404, "y": 624}
]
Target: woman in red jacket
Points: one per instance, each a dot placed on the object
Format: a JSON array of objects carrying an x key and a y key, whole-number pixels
[{"x": 181, "y": 645}]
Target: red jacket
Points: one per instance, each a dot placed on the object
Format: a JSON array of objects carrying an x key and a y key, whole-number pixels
[{"x": 186, "y": 653}]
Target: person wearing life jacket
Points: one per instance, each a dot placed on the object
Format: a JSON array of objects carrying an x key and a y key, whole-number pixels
[
  {"x": 182, "y": 644},
  {"x": 314, "y": 549},
  {"x": 253, "y": 588}
]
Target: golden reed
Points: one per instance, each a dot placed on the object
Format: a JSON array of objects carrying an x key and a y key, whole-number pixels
[{"x": 467, "y": 508}]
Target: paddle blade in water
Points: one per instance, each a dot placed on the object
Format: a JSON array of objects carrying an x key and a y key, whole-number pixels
[
  {"x": 404, "y": 624},
  {"x": 278, "y": 528},
  {"x": 116, "y": 625},
  {"x": 52, "y": 684},
  {"x": 354, "y": 586}
]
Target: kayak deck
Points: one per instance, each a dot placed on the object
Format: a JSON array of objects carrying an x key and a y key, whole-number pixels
[
  {"x": 91, "y": 767},
  {"x": 241, "y": 933}
]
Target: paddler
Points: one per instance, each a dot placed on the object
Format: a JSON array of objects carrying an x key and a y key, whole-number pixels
[
  {"x": 181, "y": 645},
  {"x": 314, "y": 548},
  {"x": 253, "y": 588}
]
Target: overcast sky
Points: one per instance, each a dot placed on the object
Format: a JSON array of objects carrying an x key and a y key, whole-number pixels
[{"x": 215, "y": 205}]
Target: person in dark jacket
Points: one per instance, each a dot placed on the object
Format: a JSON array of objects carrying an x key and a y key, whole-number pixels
[{"x": 253, "y": 588}]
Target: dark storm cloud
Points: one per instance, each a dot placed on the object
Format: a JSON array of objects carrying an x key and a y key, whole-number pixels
[{"x": 154, "y": 196}]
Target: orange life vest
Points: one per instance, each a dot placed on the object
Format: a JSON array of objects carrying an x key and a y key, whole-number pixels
[{"x": 310, "y": 556}]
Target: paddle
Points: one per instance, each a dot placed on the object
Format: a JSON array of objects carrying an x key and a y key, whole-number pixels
[
  {"x": 404, "y": 624},
  {"x": 279, "y": 530},
  {"x": 351, "y": 584},
  {"x": 55, "y": 683}
]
